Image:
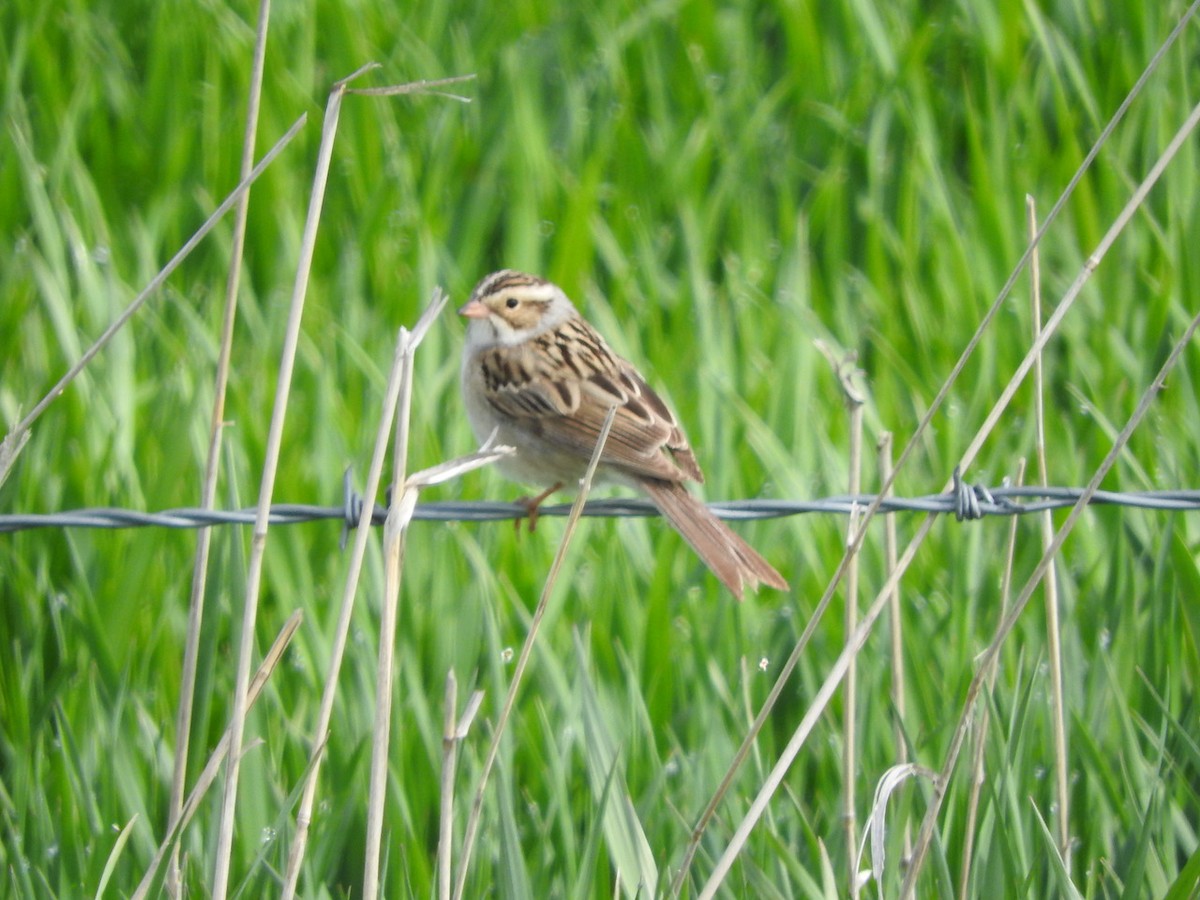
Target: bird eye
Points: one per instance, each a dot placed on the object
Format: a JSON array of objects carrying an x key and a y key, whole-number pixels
[{"x": 512, "y": 303}]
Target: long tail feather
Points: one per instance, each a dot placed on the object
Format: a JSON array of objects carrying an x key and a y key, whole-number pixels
[{"x": 731, "y": 559}]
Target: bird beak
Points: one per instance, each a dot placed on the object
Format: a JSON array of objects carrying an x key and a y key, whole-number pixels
[{"x": 473, "y": 309}]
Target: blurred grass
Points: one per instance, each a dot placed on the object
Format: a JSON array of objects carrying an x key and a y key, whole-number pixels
[{"x": 716, "y": 186}]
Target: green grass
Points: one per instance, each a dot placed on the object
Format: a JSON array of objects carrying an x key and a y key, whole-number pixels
[{"x": 716, "y": 187}]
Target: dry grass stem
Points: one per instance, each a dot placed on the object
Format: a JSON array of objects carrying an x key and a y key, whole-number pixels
[
  {"x": 445, "y": 851},
  {"x": 208, "y": 488},
  {"x": 910, "y": 446},
  {"x": 1072, "y": 294},
  {"x": 896, "y": 619},
  {"x": 454, "y": 730},
  {"x": 213, "y": 767},
  {"x": 418, "y": 87},
  {"x": 220, "y": 880},
  {"x": 10, "y": 448},
  {"x": 876, "y": 834},
  {"x": 1053, "y": 634},
  {"x": 925, "y": 835},
  {"x": 853, "y": 397},
  {"x": 395, "y": 531},
  {"x": 816, "y": 708},
  {"x": 979, "y": 734},
  {"x": 968, "y": 457},
  {"x": 523, "y": 659},
  {"x": 155, "y": 283},
  {"x": 342, "y": 629}
]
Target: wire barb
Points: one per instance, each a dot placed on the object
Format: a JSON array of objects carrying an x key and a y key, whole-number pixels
[{"x": 969, "y": 499}]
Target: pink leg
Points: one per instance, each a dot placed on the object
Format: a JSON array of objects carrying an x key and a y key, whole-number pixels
[{"x": 531, "y": 505}]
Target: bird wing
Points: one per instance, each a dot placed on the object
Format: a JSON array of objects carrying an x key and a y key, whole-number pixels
[{"x": 561, "y": 384}]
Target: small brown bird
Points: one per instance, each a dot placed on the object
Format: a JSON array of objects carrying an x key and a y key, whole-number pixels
[{"x": 534, "y": 370}]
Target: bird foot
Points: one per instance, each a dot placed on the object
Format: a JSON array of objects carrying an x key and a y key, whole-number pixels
[{"x": 531, "y": 505}]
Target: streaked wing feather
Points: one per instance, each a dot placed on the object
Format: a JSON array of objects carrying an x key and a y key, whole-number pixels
[{"x": 561, "y": 386}]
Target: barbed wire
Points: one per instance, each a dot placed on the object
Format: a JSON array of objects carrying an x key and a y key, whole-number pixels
[{"x": 964, "y": 502}]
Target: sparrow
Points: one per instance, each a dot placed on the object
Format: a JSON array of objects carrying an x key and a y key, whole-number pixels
[{"x": 536, "y": 374}]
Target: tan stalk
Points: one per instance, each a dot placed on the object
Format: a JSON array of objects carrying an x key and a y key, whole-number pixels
[
  {"x": 968, "y": 457},
  {"x": 454, "y": 732},
  {"x": 395, "y": 531},
  {"x": 896, "y": 620},
  {"x": 220, "y": 879},
  {"x": 362, "y": 534},
  {"x": 1053, "y": 634},
  {"x": 523, "y": 659},
  {"x": 354, "y": 570},
  {"x": 925, "y": 835},
  {"x": 445, "y": 852},
  {"x": 213, "y": 767},
  {"x": 846, "y": 373},
  {"x": 789, "y": 666},
  {"x": 208, "y": 490},
  {"x": 850, "y": 713},
  {"x": 17, "y": 437},
  {"x": 978, "y": 770},
  {"x": 405, "y": 343}
]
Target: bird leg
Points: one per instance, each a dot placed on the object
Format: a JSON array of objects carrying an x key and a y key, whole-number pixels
[{"x": 531, "y": 505}]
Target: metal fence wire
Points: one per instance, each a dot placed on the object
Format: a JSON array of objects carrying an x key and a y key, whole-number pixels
[{"x": 964, "y": 501}]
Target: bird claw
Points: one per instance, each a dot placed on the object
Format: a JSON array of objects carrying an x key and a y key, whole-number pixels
[{"x": 531, "y": 505}]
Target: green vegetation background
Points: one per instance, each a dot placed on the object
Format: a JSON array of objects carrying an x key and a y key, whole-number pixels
[{"x": 717, "y": 186}]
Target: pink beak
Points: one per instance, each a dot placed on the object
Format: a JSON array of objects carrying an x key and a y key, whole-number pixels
[{"x": 473, "y": 309}]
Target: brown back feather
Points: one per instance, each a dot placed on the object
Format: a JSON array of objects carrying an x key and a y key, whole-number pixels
[{"x": 526, "y": 382}]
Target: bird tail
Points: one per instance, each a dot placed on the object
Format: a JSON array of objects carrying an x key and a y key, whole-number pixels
[{"x": 731, "y": 559}]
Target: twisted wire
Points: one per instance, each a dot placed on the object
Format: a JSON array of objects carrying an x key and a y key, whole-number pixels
[{"x": 964, "y": 502}]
